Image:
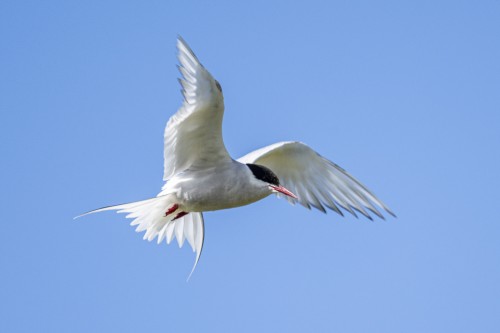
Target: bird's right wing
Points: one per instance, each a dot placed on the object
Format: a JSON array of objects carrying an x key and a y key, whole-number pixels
[
  {"x": 193, "y": 136},
  {"x": 316, "y": 181}
]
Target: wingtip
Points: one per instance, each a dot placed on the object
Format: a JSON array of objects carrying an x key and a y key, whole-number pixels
[
  {"x": 390, "y": 212},
  {"x": 179, "y": 38},
  {"x": 181, "y": 43},
  {"x": 186, "y": 55}
]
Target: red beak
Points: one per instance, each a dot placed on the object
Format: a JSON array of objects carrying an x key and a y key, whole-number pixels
[{"x": 283, "y": 190}]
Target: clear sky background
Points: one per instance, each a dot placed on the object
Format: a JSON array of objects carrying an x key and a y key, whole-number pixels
[{"x": 404, "y": 95}]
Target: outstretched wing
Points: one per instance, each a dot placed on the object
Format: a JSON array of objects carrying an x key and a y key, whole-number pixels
[
  {"x": 316, "y": 181},
  {"x": 193, "y": 136}
]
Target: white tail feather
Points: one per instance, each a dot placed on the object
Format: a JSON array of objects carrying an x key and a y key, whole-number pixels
[{"x": 149, "y": 215}]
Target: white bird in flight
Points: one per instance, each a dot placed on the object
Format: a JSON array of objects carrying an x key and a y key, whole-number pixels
[{"x": 200, "y": 175}]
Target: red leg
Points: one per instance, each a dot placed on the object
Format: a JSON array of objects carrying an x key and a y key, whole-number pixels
[
  {"x": 181, "y": 214},
  {"x": 171, "y": 209}
]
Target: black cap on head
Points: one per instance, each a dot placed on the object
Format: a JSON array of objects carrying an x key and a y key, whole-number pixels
[{"x": 265, "y": 174}]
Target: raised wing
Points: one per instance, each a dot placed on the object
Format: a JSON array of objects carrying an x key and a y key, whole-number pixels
[
  {"x": 316, "y": 181},
  {"x": 193, "y": 136}
]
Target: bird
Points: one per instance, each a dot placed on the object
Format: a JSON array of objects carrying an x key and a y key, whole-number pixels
[{"x": 201, "y": 176}]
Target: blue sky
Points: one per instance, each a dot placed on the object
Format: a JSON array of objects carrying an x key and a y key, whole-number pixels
[{"x": 404, "y": 95}]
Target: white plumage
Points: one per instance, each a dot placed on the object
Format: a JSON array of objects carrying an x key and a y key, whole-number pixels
[{"x": 200, "y": 175}]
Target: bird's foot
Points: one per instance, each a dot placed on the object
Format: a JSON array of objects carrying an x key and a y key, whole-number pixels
[
  {"x": 171, "y": 210},
  {"x": 178, "y": 216}
]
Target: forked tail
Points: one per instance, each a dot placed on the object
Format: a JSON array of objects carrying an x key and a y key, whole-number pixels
[{"x": 150, "y": 216}]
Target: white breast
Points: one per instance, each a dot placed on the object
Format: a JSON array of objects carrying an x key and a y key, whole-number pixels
[{"x": 225, "y": 186}]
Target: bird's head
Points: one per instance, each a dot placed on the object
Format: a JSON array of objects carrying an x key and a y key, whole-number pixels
[{"x": 270, "y": 179}]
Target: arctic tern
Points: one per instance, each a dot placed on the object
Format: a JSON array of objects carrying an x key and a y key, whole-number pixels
[{"x": 200, "y": 175}]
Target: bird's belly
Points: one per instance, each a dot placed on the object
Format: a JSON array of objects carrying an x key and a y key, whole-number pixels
[{"x": 218, "y": 197}]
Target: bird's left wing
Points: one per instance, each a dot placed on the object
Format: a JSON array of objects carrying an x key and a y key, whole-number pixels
[
  {"x": 316, "y": 181},
  {"x": 193, "y": 136}
]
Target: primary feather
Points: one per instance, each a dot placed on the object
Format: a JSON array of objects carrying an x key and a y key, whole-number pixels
[
  {"x": 193, "y": 135},
  {"x": 316, "y": 181}
]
